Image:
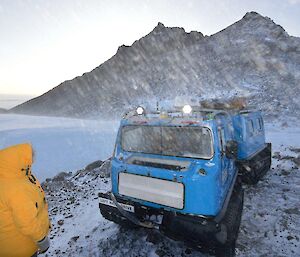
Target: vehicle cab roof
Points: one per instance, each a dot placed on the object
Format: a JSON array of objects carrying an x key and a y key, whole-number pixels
[
  {"x": 198, "y": 117},
  {"x": 175, "y": 118}
]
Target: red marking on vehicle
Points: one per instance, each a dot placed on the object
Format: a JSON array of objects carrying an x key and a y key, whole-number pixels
[
  {"x": 140, "y": 122},
  {"x": 189, "y": 122}
]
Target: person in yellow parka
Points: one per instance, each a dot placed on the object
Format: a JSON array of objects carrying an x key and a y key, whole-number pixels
[{"x": 24, "y": 220}]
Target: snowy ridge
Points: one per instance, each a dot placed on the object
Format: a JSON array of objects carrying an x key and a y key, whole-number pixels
[
  {"x": 270, "y": 222},
  {"x": 253, "y": 57}
]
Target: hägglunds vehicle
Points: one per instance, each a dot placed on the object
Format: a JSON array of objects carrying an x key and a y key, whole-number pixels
[{"x": 182, "y": 172}]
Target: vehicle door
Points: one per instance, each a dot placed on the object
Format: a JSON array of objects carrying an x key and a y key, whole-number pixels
[{"x": 227, "y": 167}]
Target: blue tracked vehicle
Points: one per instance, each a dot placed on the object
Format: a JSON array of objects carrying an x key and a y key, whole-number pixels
[{"x": 182, "y": 172}]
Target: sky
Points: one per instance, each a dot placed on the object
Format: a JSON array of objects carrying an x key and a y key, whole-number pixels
[{"x": 45, "y": 42}]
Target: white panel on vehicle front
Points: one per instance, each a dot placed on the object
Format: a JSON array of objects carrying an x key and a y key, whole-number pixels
[{"x": 153, "y": 190}]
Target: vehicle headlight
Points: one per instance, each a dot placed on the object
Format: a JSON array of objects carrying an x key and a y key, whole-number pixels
[
  {"x": 140, "y": 110},
  {"x": 187, "y": 109}
]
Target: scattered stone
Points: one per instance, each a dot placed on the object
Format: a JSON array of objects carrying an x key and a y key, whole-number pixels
[
  {"x": 60, "y": 222},
  {"x": 285, "y": 173},
  {"x": 93, "y": 165},
  {"x": 75, "y": 238},
  {"x": 295, "y": 150},
  {"x": 60, "y": 177},
  {"x": 295, "y": 211},
  {"x": 287, "y": 157},
  {"x": 296, "y": 160},
  {"x": 72, "y": 199},
  {"x": 277, "y": 155}
]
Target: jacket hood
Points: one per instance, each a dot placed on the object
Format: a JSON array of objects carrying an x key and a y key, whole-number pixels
[{"x": 16, "y": 161}]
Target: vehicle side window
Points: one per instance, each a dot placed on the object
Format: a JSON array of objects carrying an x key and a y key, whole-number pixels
[
  {"x": 221, "y": 134},
  {"x": 258, "y": 124},
  {"x": 261, "y": 123},
  {"x": 250, "y": 125}
]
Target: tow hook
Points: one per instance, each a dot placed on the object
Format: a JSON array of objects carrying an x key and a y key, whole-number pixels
[{"x": 133, "y": 219}]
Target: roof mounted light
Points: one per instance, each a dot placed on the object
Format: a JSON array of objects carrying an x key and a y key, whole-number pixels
[
  {"x": 187, "y": 109},
  {"x": 140, "y": 110}
]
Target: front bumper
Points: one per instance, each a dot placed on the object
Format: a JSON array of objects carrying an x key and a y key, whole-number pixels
[
  {"x": 184, "y": 227},
  {"x": 108, "y": 202}
]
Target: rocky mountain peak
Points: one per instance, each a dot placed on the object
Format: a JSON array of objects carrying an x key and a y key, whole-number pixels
[
  {"x": 159, "y": 27},
  {"x": 161, "y": 39},
  {"x": 252, "y": 15},
  {"x": 253, "y": 21},
  {"x": 253, "y": 26}
]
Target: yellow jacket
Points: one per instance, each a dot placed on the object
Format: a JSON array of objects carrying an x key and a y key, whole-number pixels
[{"x": 23, "y": 209}]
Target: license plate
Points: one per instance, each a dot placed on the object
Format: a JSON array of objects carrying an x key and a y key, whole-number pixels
[{"x": 109, "y": 202}]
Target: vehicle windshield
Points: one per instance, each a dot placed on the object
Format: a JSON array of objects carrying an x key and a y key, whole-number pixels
[{"x": 192, "y": 142}]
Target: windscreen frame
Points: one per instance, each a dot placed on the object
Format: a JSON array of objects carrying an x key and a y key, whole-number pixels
[{"x": 161, "y": 153}]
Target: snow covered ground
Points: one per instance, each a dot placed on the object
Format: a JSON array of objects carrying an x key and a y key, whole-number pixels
[
  {"x": 60, "y": 144},
  {"x": 270, "y": 223},
  {"x": 271, "y": 216}
]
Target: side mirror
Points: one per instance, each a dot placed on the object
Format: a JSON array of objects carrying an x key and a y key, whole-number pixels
[{"x": 231, "y": 150}]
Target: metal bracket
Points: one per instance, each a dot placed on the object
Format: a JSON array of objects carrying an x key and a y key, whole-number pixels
[{"x": 133, "y": 219}]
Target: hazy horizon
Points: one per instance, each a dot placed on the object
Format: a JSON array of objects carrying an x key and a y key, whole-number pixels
[{"x": 8, "y": 101}]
